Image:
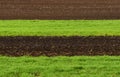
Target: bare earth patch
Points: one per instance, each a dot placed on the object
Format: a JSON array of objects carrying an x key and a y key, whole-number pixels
[
  {"x": 56, "y": 46},
  {"x": 60, "y": 9}
]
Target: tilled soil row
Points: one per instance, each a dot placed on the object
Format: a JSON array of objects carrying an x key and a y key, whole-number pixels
[
  {"x": 59, "y": 9},
  {"x": 56, "y": 46}
]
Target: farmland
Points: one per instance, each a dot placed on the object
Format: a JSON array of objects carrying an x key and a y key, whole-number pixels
[
  {"x": 65, "y": 41},
  {"x": 60, "y": 9},
  {"x": 60, "y": 66},
  {"x": 59, "y": 38},
  {"x": 59, "y": 28}
]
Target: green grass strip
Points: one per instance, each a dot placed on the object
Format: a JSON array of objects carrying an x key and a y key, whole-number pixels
[
  {"x": 59, "y": 27},
  {"x": 77, "y": 66}
]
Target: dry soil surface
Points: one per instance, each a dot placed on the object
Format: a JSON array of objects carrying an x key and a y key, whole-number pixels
[{"x": 59, "y": 9}]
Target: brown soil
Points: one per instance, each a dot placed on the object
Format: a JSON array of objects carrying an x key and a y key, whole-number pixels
[
  {"x": 53, "y": 46},
  {"x": 59, "y": 9}
]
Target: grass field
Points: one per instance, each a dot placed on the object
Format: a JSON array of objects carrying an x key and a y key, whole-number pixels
[
  {"x": 77, "y": 66},
  {"x": 59, "y": 28}
]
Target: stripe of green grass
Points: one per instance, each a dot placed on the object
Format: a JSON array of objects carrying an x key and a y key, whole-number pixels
[
  {"x": 59, "y": 27},
  {"x": 77, "y": 66}
]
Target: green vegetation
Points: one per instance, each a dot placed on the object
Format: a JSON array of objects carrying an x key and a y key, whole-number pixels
[
  {"x": 77, "y": 66},
  {"x": 59, "y": 27}
]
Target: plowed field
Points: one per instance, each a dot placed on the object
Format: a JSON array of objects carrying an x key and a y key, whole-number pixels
[
  {"x": 53, "y": 46},
  {"x": 59, "y": 9}
]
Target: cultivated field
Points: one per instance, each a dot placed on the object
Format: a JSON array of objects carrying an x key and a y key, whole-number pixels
[
  {"x": 60, "y": 9},
  {"x": 56, "y": 46},
  {"x": 59, "y": 48},
  {"x": 62, "y": 37},
  {"x": 79, "y": 66},
  {"x": 65, "y": 41}
]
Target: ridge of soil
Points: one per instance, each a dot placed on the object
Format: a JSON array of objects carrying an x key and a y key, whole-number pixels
[
  {"x": 56, "y": 46},
  {"x": 60, "y": 9}
]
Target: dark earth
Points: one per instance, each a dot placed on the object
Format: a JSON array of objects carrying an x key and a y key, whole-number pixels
[
  {"x": 60, "y": 9},
  {"x": 56, "y": 46}
]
